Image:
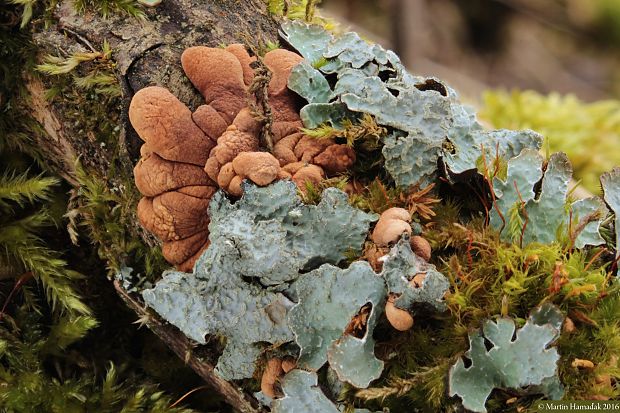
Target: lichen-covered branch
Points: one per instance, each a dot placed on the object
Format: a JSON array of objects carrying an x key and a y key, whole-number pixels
[{"x": 182, "y": 347}]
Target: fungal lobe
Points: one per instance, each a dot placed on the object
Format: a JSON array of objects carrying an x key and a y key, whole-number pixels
[{"x": 187, "y": 156}]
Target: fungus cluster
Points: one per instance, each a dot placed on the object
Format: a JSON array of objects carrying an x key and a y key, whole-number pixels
[
  {"x": 391, "y": 226},
  {"x": 187, "y": 156}
]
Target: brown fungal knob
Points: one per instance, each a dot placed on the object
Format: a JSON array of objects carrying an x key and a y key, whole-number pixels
[
  {"x": 284, "y": 149},
  {"x": 583, "y": 364},
  {"x": 392, "y": 223},
  {"x": 604, "y": 379},
  {"x": 259, "y": 167},
  {"x": 273, "y": 371},
  {"x": 604, "y": 382},
  {"x": 421, "y": 247},
  {"x": 418, "y": 280},
  {"x": 303, "y": 173},
  {"x": 568, "y": 326},
  {"x": 401, "y": 320},
  {"x": 396, "y": 213},
  {"x": 331, "y": 157},
  {"x": 598, "y": 397},
  {"x": 307, "y": 148},
  {"x": 336, "y": 158},
  {"x": 262, "y": 168},
  {"x": 229, "y": 145},
  {"x": 234, "y": 187}
]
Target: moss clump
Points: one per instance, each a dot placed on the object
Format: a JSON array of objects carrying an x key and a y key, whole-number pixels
[{"x": 490, "y": 278}]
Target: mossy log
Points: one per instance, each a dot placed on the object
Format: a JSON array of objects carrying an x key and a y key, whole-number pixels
[{"x": 145, "y": 52}]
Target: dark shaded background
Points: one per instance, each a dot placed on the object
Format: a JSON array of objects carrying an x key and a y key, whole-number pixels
[{"x": 567, "y": 46}]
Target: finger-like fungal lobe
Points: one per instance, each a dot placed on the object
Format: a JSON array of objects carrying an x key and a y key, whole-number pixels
[{"x": 170, "y": 174}]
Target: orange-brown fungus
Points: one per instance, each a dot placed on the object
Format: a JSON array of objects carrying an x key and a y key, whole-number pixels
[
  {"x": 268, "y": 383},
  {"x": 401, "y": 320},
  {"x": 392, "y": 223}
]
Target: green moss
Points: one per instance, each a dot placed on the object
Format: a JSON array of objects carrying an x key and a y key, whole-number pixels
[
  {"x": 491, "y": 278},
  {"x": 45, "y": 9},
  {"x": 103, "y": 205}
]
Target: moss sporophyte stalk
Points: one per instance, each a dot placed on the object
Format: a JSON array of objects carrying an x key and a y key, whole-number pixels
[{"x": 358, "y": 240}]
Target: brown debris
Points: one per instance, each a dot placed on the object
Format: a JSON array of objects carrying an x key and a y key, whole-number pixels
[
  {"x": 375, "y": 255},
  {"x": 273, "y": 371},
  {"x": 420, "y": 202},
  {"x": 288, "y": 364},
  {"x": 357, "y": 325},
  {"x": 354, "y": 188}
]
